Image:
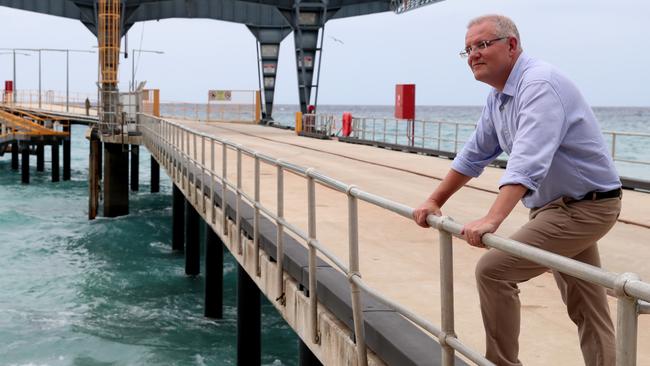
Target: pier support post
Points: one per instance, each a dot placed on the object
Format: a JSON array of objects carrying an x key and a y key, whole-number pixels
[
  {"x": 14, "y": 155},
  {"x": 94, "y": 169},
  {"x": 178, "y": 219},
  {"x": 135, "y": 168},
  {"x": 55, "y": 161},
  {"x": 213, "y": 274},
  {"x": 249, "y": 350},
  {"x": 116, "y": 180},
  {"x": 306, "y": 356},
  {"x": 192, "y": 255},
  {"x": 24, "y": 152},
  {"x": 155, "y": 176},
  {"x": 40, "y": 157},
  {"x": 66, "y": 153}
]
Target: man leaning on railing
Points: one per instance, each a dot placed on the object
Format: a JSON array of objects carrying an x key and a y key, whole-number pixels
[{"x": 558, "y": 166}]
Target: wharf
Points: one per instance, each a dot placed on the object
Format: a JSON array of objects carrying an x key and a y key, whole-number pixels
[{"x": 400, "y": 259}]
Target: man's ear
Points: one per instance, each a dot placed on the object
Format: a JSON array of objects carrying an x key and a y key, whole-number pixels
[{"x": 513, "y": 44}]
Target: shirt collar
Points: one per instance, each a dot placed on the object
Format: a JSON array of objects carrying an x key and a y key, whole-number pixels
[{"x": 515, "y": 75}]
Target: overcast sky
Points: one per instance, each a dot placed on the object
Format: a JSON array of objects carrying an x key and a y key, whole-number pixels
[{"x": 602, "y": 45}]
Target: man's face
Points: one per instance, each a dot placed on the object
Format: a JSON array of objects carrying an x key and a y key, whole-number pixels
[{"x": 491, "y": 65}]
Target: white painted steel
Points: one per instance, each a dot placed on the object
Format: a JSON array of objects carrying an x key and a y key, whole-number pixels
[
  {"x": 633, "y": 294},
  {"x": 355, "y": 271},
  {"x": 279, "y": 238},
  {"x": 256, "y": 218},
  {"x": 447, "y": 295}
]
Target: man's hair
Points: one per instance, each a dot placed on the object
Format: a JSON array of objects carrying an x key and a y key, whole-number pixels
[{"x": 505, "y": 27}]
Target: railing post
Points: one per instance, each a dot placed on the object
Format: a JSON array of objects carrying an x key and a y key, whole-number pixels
[
  {"x": 456, "y": 139},
  {"x": 357, "y": 310},
  {"x": 614, "y": 146},
  {"x": 311, "y": 213},
  {"x": 439, "y": 134},
  {"x": 212, "y": 157},
  {"x": 240, "y": 249},
  {"x": 224, "y": 189},
  {"x": 280, "y": 235},
  {"x": 626, "y": 322},
  {"x": 446, "y": 293},
  {"x": 256, "y": 218}
]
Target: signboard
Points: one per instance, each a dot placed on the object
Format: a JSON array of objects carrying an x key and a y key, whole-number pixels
[
  {"x": 269, "y": 50},
  {"x": 269, "y": 82},
  {"x": 309, "y": 61},
  {"x": 269, "y": 68},
  {"x": 219, "y": 95}
]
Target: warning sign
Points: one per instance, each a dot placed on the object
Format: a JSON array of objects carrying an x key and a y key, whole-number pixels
[{"x": 219, "y": 95}]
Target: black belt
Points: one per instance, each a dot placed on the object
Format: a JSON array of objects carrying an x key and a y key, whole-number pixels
[{"x": 594, "y": 196}]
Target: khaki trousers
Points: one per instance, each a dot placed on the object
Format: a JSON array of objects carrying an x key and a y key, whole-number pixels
[{"x": 570, "y": 229}]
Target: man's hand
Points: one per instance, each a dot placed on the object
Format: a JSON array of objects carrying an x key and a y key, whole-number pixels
[
  {"x": 425, "y": 209},
  {"x": 473, "y": 231}
]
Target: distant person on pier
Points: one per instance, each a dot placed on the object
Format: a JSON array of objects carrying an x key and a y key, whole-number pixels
[
  {"x": 558, "y": 166},
  {"x": 87, "y": 107}
]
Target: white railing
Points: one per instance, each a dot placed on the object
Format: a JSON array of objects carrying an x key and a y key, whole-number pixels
[
  {"x": 167, "y": 139},
  {"x": 451, "y": 136}
]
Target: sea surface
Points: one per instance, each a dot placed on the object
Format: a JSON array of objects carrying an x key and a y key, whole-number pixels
[
  {"x": 108, "y": 291},
  {"x": 111, "y": 291}
]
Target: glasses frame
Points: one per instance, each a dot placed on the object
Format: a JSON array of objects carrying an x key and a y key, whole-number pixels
[{"x": 480, "y": 46}]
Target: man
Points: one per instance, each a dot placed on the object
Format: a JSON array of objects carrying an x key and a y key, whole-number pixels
[
  {"x": 558, "y": 166},
  {"x": 87, "y": 104}
]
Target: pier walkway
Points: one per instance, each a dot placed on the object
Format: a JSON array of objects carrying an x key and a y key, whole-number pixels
[{"x": 401, "y": 260}]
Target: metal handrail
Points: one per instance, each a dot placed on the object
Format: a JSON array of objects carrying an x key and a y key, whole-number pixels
[
  {"x": 632, "y": 293},
  {"x": 391, "y": 130}
]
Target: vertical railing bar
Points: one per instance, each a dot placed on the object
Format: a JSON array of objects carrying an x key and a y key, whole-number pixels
[
  {"x": 240, "y": 248},
  {"x": 626, "y": 323},
  {"x": 446, "y": 295},
  {"x": 311, "y": 213},
  {"x": 357, "y": 311},
  {"x": 256, "y": 218},
  {"x": 280, "y": 235},
  {"x": 439, "y": 134},
  {"x": 224, "y": 189},
  {"x": 212, "y": 181},
  {"x": 456, "y": 140},
  {"x": 613, "y": 145}
]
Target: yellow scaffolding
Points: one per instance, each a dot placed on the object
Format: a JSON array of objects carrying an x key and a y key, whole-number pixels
[{"x": 108, "y": 36}]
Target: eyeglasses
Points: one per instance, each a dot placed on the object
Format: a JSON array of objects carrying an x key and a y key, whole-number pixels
[{"x": 479, "y": 46}]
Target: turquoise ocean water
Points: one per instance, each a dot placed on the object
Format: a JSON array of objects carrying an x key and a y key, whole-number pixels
[
  {"x": 111, "y": 291},
  {"x": 108, "y": 291}
]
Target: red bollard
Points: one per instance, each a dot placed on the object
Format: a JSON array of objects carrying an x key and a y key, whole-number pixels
[{"x": 347, "y": 123}]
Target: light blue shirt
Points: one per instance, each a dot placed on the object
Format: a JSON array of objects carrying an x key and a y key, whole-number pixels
[{"x": 553, "y": 140}]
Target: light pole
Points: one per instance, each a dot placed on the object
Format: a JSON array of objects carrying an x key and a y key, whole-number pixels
[
  {"x": 67, "y": 69},
  {"x": 133, "y": 51},
  {"x": 13, "y": 51}
]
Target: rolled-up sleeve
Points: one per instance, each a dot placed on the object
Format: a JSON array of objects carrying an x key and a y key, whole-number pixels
[
  {"x": 541, "y": 128},
  {"x": 481, "y": 148}
]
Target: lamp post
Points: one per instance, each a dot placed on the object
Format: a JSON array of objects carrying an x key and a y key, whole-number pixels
[
  {"x": 14, "y": 53},
  {"x": 67, "y": 69},
  {"x": 133, "y": 51}
]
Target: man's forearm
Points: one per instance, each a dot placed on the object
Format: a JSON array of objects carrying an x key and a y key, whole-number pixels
[
  {"x": 507, "y": 199},
  {"x": 452, "y": 183}
]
